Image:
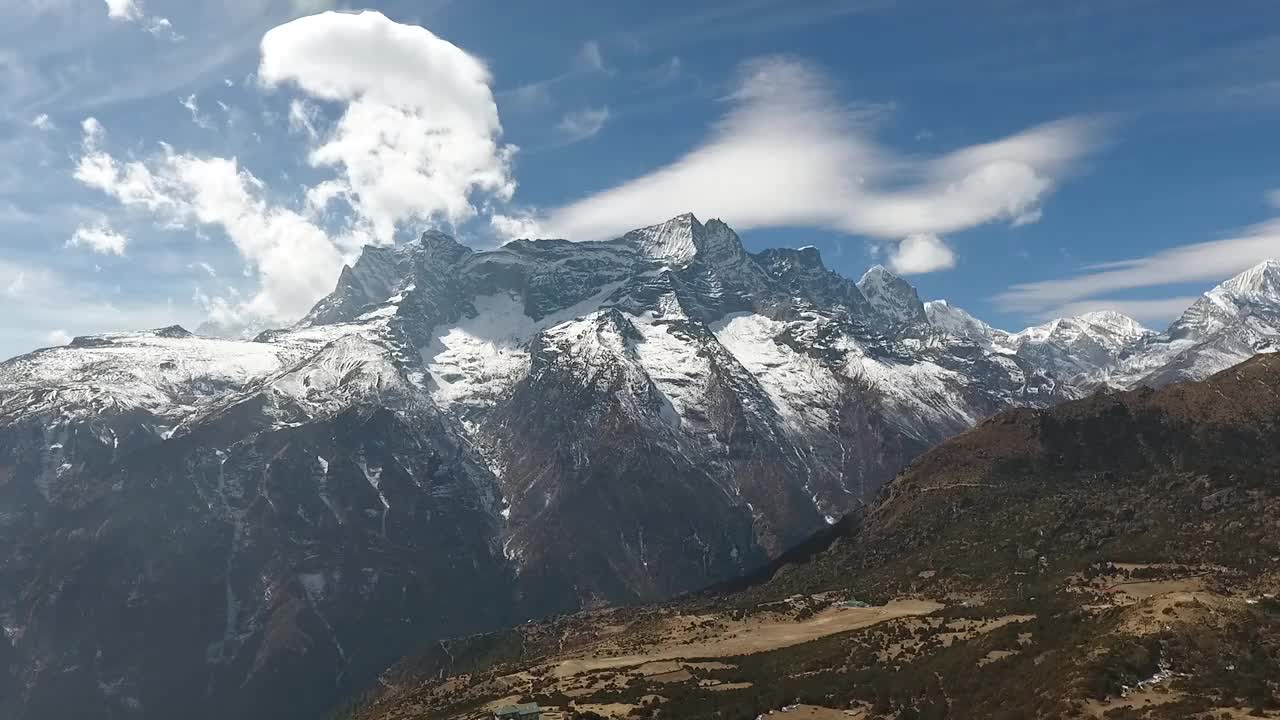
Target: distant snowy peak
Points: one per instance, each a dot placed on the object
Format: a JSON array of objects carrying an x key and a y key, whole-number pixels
[
  {"x": 1256, "y": 290},
  {"x": 892, "y": 296},
  {"x": 1081, "y": 347},
  {"x": 1261, "y": 280},
  {"x": 1111, "y": 330},
  {"x": 950, "y": 320},
  {"x": 682, "y": 239}
]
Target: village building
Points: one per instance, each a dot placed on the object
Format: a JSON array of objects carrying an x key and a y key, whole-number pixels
[{"x": 524, "y": 711}]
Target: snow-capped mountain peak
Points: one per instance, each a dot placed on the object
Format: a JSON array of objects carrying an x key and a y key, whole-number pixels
[
  {"x": 1255, "y": 291},
  {"x": 672, "y": 240},
  {"x": 466, "y": 418},
  {"x": 950, "y": 320},
  {"x": 892, "y": 296},
  {"x": 682, "y": 239},
  {"x": 1261, "y": 280}
]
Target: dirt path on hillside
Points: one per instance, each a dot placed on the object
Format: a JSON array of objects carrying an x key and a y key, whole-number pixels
[{"x": 752, "y": 636}]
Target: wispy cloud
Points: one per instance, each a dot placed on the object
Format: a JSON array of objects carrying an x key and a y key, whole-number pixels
[
  {"x": 1156, "y": 312},
  {"x": 46, "y": 307},
  {"x": 536, "y": 95},
  {"x": 1200, "y": 262},
  {"x": 192, "y": 104},
  {"x": 100, "y": 238},
  {"x": 746, "y": 17},
  {"x": 583, "y": 124},
  {"x": 591, "y": 58},
  {"x": 131, "y": 11},
  {"x": 789, "y": 153}
]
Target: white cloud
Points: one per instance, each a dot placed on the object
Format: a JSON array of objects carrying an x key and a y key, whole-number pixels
[
  {"x": 921, "y": 253},
  {"x": 123, "y": 10},
  {"x": 583, "y": 124},
  {"x": 161, "y": 28},
  {"x": 512, "y": 227},
  {"x": 93, "y": 132},
  {"x": 192, "y": 105},
  {"x": 419, "y": 133},
  {"x": 790, "y": 154},
  {"x": 99, "y": 238},
  {"x": 131, "y": 11},
  {"x": 58, "y": 337},
  {"x": 42, "y": 122},
  {"x": 1200, "y": 262},
  {"x": 294, "y": 260}
]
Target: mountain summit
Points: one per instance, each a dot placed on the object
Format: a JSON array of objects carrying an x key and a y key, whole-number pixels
[{"x": 456, "y": 439}]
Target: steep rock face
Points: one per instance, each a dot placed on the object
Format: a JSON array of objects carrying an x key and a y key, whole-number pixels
[
  {"x": 892, "y": 296},
  {"x": 228, "y": 544},
  {"x": 451, "y": 440}
]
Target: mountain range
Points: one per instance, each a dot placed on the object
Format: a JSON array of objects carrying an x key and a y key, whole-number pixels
[
  {"x": 454, "y": 440},
  {"x": 1110, "y": 557}
]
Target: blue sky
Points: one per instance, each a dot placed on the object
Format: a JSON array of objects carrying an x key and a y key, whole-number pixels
[{"x": 202, "y": 161}]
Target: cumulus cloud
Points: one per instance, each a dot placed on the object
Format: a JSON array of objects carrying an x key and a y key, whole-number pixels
[
  {"x": 58, "y": 337},
  {"x": 515, "y": 226},
  {"x": 123, "y": 10},
  {"x": 788, "y": 153},
  {"x": 419, "y": 133},
  {"x": 1198, "y": 262},
  {"x": 921, "y": 253},
  {"x": 42, "y": 122},
  {"x": 583, "y": 124},
  {"x": 294, "y": 260},
  {"x": 99, "y": 238}
]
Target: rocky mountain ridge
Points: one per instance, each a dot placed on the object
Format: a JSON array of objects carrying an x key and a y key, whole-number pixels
[
  {"x": 456, "y": 439},
  {"x": 1111, "y": 557}
]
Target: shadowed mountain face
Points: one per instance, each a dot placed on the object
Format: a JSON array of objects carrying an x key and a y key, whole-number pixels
[
  {"x": 450, "y": 441},
  {"x": 1114, "y": 556}
]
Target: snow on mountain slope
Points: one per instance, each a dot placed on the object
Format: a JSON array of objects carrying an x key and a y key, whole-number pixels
[
  {"x": 1227, "y": 325},
  {"x": 804, "y": 390},
  {"x": 892, "y": 296},
  {"x": 167, "y": 372},
  {"x": 1076, "y": 348},
  {"x": 950, "y": 320},
  {"x": 559, "y": 423}
]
